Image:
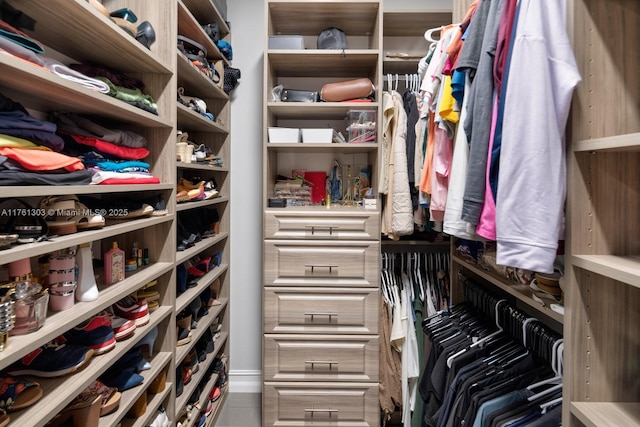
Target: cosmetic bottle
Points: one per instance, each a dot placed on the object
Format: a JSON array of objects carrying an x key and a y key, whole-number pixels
[
  {"x": 87, "y": 289},
  {"x": 114, "y": 264},
  {"x": 31, "y": 300}
]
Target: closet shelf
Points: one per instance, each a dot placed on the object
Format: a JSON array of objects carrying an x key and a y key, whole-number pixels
[
  {"x": 199, "y": 247},
  {"x": 414, "y": 246},
  {"x": 400, "y": 66},
  {"x": 195, "y": 82},
  {"x": 181, "y": 400},
  {"x": 323, "y": 148},
  {"x": 39, "y": 190},
  {"x": 129, "y": 397},
  {"x": 153, "y": 403},
  {"x": 57, "y": 393},
  {"x": 29, "y": 250},
  {"x": 183, "y": 300},
  {"x": 60, "y": 322},
  {"x": 621, "y": 268},
  {"x": 195, "y": 205},
  {"x": 20, "y": 81},
  {"x": 318, "y": 110},
  {"x": 616, "y": 143},
  {"x": 190, "y": 120},
  {"x": 204, "y": 399},
  {"x": 205, "y": 12},
  {"x": 604, "y": 414},
  {"x": 520, "y": 292},
  {"x": 323, "y": 63},
  {"x": 189, "y": 26},
  {"x": 203, "y": 324},
  {"x": 199, "y": 166},
  {"x": 354, "y": 17},
  {"x": 77, "y": 28},
  {"x": 413, "y": 23}
]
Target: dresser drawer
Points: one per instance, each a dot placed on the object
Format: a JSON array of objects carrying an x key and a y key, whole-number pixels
[
  {"x": 334, "y": 225},
  {"x": 320, "y": 404},
  {"x": 321, "y": 357},
  {"x": 321, "y": 263},
  {"x": 321, "y": 310}
]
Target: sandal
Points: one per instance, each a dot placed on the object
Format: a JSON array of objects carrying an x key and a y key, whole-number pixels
[
  {"x": 17, "y": 393},
  {"x": 69, "y": 215},
  {"x": 110, "y": 396}
]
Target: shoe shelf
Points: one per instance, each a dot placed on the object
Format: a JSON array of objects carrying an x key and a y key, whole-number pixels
[
  {"x": 203, "y": 244},
  {"x": 201, "y": 203},
  {"x": 188, "y": 389},
  {"x": 194, "y": 81},
  {"x": 58, "y": 392},
  {"x": 206, "y": 11},
  {"x": 217, "y": 406},
  {"x": 183, "y": 350},
  {"x": 521, "y": 292},
  {"x": 77, "y": 28},
  {"x": 322, "y": 63},
  {"x": 189, "y": 119},
  {"x": 319, "y": 110},
  {"x": 39, "y": 190},
  {"x": 153, "y": 403},
  {"x": 189, "y": 26},
  {"x": 159, "y": 363},
  {"x": 20, "y": 82},
  {"x": 60, "y": 322},
  {"x": 183, "y": 300},
  {"x": 199, "y": 166},
  {"x": 624, "y": 142},
  {"x": 28, "y": 250},
  {"x": 604, "y": 414},
  {"x": 204, "y": 401}
]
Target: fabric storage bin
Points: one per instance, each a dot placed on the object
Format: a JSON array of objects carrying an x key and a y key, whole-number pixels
[
  {"x": 284, "y": 135},
  {"x": 286, "y": 42},
  {"x": 317, "y": 135}
]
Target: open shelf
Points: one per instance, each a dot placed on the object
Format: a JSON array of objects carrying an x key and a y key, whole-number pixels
[
  {"x": 317, "y": 110},
  {"x": 624, "y": 269},
  {"x": 304, "y": 147},
  {"x": 413, "y": 23},
  {"x": 153, "y": 403},
  {"x": 202, "y": 167},
  {"x": 195, "y": 82},
  {"x": 199, "y": 247},
  {"x": 206, "y": 11},
  {"x": 189, "y": 119},
  {"x": 322, "y": 63},
  {"x": 203, "y": 324},
  {"x": 189, "y": 26},
  {"x": 607, "y": 414},
  {"x": 183, "y": 300},
  {"x": 200, "y": 204},
  {"x": 625, "y": 142},
  {"x": 39, "y": 190}
]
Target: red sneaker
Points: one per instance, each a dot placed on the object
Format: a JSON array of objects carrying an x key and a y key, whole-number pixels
[{"x": 132, "y": 308}]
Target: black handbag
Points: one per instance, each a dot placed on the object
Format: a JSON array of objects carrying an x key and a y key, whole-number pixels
[
  {"x": 231, "y": 77},
  {"x": 212, "y": 31},
  {"x": 294, "y": 95}
]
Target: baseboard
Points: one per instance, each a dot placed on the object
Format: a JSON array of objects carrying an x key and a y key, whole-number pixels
[{"x": 245, "y": 381}]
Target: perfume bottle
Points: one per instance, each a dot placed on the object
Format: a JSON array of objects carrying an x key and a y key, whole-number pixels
[
  {"x": 30, "y": 299},
  {"x": 114, "y": 264}
]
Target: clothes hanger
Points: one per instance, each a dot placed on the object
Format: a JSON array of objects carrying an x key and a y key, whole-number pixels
[{"x": 428, "y": 35}]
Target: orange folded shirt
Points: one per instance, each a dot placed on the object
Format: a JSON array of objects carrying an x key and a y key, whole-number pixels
[{"x": 37, "y": 160}]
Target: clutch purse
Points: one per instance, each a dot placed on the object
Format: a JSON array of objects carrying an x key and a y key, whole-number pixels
[
  {"x": 350, "y": 89},
  {"x": 293, "y": 95}
]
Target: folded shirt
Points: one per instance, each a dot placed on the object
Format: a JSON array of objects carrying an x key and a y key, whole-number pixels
[
  {"x": 129, "y": 95},
  {"x": 40, "y": 160},
  {"x": 18, "y": 177},
  {"x": 109, "y": 148},
  {"x": 67, "y": 73},
  {"x": 77, "y": 125},
  {"x": 107, "y": 177},
  {"x": 16, "y": 36}
]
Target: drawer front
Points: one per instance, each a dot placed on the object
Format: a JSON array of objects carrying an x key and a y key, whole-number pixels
[
  {"x": 332, "y": 225},
  {"x": 321, "y": 310},
  {"x": 321, "y": 404},
  {"x": 321, "y": 263},
  {"x": 321, "y": 358}
]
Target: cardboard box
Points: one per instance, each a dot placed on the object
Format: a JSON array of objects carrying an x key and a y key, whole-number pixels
[
  {"x": 324, "y": 136},
  {"x": 284, "y": 135}
]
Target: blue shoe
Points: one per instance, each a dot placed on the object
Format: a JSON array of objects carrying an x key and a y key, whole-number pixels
[
  {"x": 123, "y": 380},
  {"x": 100, "y": 339},
  {"x": 52, "y": 360}
]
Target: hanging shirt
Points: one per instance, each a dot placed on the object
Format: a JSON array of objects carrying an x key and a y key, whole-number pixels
[{"x": 532, "y": 176}]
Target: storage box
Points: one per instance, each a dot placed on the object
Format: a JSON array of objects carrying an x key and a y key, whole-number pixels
[
  {"x": 286, "y": 42},
  {"x": 277, "y": 134},
  {"x": 317, "y": 135},
  {"x": 362, "y": 126}
]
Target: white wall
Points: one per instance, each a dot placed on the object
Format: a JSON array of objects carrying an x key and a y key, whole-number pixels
[{"x": 248, "y": 33}]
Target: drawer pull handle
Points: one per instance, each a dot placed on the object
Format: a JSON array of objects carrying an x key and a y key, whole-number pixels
[
  {"x": 327, "y": 410},
  {"x": 320, "y": 362},
  {"x": 328, "y": 314},
  {"x": 322, "y": 227},
  {"x": 314, "y": 266}
]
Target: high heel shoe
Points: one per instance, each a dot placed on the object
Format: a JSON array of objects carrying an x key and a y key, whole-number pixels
[
  {"x": 149, "y": 340},
  {"x": 84, "y": 410}
]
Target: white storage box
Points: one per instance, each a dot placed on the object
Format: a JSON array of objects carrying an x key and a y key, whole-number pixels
[
  {"x": 286, "y": 42},
  {"x": 284, "y": 135},
  {"x": 317, "y": 135}
]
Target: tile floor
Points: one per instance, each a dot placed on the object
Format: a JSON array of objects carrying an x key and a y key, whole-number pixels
[{"x": 241, "y": 410}]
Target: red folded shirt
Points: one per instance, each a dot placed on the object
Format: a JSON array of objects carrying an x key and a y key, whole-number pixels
[{"x": 109, "y": 148}]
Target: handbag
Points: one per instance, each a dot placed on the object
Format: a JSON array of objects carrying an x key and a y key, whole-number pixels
[
  {"x": 294, "y": 95},
  {"x": 212, "y": 31},
  {"x": 350, "y": 89},
  {"x": 231, "y": 77}
]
